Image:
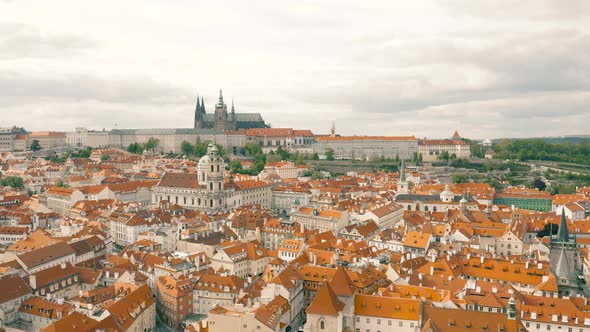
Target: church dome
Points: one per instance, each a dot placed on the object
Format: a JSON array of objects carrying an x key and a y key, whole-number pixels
[
  {"x": 447, "y": 195},
  {"x": 205, "y": 160},
  {"x": 211, "y": 155}
]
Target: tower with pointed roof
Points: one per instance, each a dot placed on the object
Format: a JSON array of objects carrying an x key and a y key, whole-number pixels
[
  {"x": 220, "y": 113},
  {"x": 565, "y": 260},
  {"x": 345, "y": 290},
  {"x": 333, "y": 130},
  {"x": 325, "y": 311},
  {"x": 402, "y": 184},
  {"x": 199, "y": 113}
]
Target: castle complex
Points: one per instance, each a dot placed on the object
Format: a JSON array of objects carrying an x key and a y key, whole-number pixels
[{"x": 222, "y": 120}]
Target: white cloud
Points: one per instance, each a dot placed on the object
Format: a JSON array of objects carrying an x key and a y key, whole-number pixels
[{"x": 488, "y": 69}]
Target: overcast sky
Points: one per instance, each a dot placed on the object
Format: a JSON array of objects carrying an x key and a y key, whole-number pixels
[{"x": 486, "y": 68}]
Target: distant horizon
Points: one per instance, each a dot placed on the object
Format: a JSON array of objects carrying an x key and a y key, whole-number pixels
[{"x": 323, "y": 133}]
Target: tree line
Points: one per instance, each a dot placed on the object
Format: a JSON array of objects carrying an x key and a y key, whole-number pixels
[{"x": 538, "y": 149}]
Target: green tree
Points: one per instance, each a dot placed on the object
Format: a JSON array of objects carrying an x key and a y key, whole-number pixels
[
  {"x": 458, "y": 178},
  {"x": 200, "y": 148},
  {"x": 284, "y": 154},
  {"x": 105, "y": 157},
  {"x": 151, "y": 144},
  {"x": 13, "y": 182},
  {"x": 61, "y": 184},
  {"x": 444, "y": 155},
  {"x": 299, "y": 159},
  {"x": 135, "y": 148},
  {"x": 235, "y": 166},
  {"x": 539, "y": 184},
  {"x": 85, "y": 153},
  {"x": 35, "y": 146},
  {"x": 221, "y": 150},
  {"x": 253, "y": 149},
  {"x": 187, "y": 148},
  {"x": 272, "y": 157},
  {"x": 329, "y": 154},
  {"x": 315, "y": 156}
]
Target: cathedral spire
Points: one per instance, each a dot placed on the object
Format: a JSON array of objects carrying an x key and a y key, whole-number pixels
[
  {"x": 202, "y": 105},
  {"x": 220, "y": 102},
  {"x": 333, "y": 129},
  {"x": 563, "y": 234}
]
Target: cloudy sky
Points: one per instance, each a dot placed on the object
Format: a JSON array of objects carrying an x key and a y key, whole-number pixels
[{"x": 486, "y": 68}]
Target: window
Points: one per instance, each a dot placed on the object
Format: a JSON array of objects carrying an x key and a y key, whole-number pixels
[
  {"x": 213, "y": 170},
  {"x": 322, "y": 325},
  {"x": 401, "y": 324},
  {"x": 378, "y": 321}
]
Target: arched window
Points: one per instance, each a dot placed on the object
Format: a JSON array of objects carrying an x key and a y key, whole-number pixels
[
  {"x": 211, "y": 185},
  {"x": 434, "y": 209},
  {"x": 218, "y": 168},
  {"x": 322, "y": 325},
  {"x": 211, "y": 203},
  {"x": 409, "y": 207},
  {"x": 199, "y": 202},
  {"x": 426, "y": 208},
  {"x": 509, "y": 246},
  {"x": 212, "y": 168},
  {"x": 203, "y": 176},
  {"x": 219, "y": 185}
]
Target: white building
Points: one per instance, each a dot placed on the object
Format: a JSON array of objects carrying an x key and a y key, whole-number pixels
[
  {"x": 367, "y": 147},
  {"x": 323, "y": 220},
  {"x": 431, "y": 149}
]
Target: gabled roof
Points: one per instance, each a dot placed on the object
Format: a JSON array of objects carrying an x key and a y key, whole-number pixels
[
  {"x": 341, "y": 283},
  {"x": 179, "y": 180},
  {"x": 74, "y": 322},
  {"x": 46, "y": 254},
  {"x": 13, "y": 287},
  {"x": 326, "y": 303}
]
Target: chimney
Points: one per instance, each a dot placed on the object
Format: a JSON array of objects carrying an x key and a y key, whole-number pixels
[
  {"x": 33, "y": 281},
  {"x": 432, "y": 270},
  {"x": 481, "y": 259},
  {"x": 540, "y": 266},
  {"x": 494, "y": 290},
  {"x": 526, "y": 265}
]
